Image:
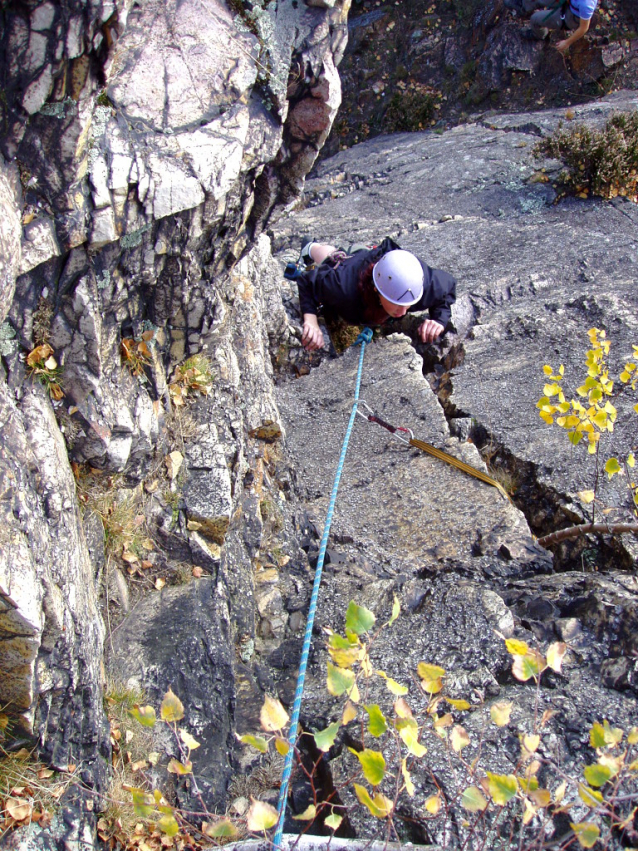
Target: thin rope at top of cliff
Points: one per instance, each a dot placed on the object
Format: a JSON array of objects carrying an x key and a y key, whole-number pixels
[{"x": 362, "y": 339}]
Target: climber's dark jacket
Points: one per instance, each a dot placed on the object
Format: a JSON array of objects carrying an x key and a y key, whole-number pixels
[{"x": 337, "y": 288}]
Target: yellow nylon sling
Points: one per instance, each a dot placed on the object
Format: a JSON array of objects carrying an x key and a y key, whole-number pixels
[{"x": 432, "y": 450}]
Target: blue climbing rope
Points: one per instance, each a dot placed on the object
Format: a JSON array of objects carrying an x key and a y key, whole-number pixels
[{"x": 364, "y": 337}]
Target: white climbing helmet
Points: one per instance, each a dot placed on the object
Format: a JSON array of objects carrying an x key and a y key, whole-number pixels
[{"x": 398, "y": 276}]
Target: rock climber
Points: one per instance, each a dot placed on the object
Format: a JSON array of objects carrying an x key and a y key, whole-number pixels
[
  {"x": 573, "y": 15},
  {"x": 370, "y": 285}
]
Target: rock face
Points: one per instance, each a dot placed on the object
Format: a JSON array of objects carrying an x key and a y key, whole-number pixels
[
  {"x": 533, "y": 277},
  {"x": 148, "y": 146},
  {"x": 154, "y": 148}
]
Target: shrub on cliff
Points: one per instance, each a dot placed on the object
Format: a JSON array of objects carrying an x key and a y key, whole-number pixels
[{"x": 598, "y": 162}]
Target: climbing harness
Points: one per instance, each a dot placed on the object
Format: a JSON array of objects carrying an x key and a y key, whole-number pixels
[
  {"x": 362, "y": 339},
  {"x": 398, "y": 432},
  {"x": 563, "y": 5}
]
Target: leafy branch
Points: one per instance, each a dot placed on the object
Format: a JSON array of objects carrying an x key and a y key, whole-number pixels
[
  {"x": 487, "y": 809},
  {"x": 586, "y": 419}
]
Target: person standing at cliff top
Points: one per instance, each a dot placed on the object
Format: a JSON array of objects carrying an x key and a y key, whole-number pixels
[
  {"x": 369, "y": 286},
  {"x": 573, "y": 15}
]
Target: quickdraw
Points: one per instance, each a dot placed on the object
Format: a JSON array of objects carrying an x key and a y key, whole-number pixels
[{"x": 399, "y": 432}]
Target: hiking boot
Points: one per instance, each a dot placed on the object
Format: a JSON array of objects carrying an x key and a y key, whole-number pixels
[{"x": 530, "y": 34}]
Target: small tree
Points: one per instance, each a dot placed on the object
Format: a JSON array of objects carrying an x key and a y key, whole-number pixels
[{"x": 586, "y": 419}]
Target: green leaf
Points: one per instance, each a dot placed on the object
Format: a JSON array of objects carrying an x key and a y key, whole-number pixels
[
  {"x": 281, "y": 745},
  {"x": 612, "y": 467},
  {"x": 333, "y": 821},
  {"x": 168, "y": 825},
  {"x": 586, "y": 832},
  {"x": 145, "y": 715},
  {"x": 473, "y": 800},
  {"x": 377, "y": 725},
  {"x": 325, "y": 739},
  {"x": 143, "y": 803},
  {"x": 171, "y": 708},
  {"x": 380, "y": 806},
  {"x": 528, "y": 784},
  {"x": 596, "y": 774},
  {"x": 396, "y": 609},
  {"x": 340, "y": 680},
  {"x": 255, "y": 741},
  {"x": 502, "y": 787},
  {"x": 224, "y": 829},
  {"x": 358, "y": 619},
  {"x": 372, "y": 764},
  {"x": 261, "y": 816},
  {"x": 526, "y": 667}
]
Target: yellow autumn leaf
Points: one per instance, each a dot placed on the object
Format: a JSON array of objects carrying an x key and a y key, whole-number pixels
[
  {"x": 473, "y": 800},
  {"x": 500, "y": 713},
  {"x": 433, "y": 804},
  {"x": 180, "y": 768},
  {"x": 529, "y": 812},
  {"x": 393, "y": 686},
  {"x": 349, "y": 713},
  {"x": 402, "y": 709},
  {"x": 379, "y": 806},
  {"x": 281, "y": 745},
  {"x": 555, "y": 655},
  {"x": 407, "y": 779},
  {"x": 273, "y": 716},
  {"x": 188, "y": 740},
  {"x": 171, "y": 708},
  {"x": 530, "y": 744},
  {"x": 308, "y": 814},
  {"x": 516, "y": 647},
  {"x": 587, "y": 833},
  {"x": 333, "y": 821},
  {"x": 261, "y": 816},
  {"x": 459, "y": 704},
  {"x": 459, "y": 738}
]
